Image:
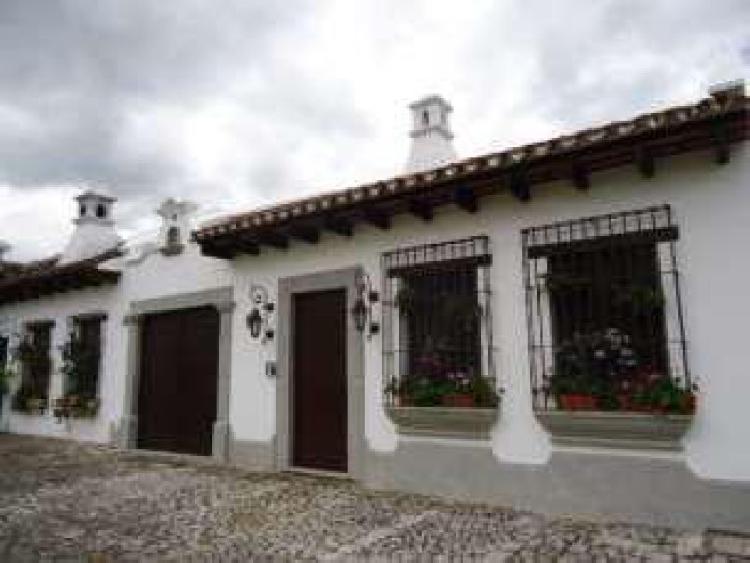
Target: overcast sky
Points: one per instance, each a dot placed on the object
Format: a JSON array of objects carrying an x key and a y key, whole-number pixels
[{"x": 238, "y": 103}]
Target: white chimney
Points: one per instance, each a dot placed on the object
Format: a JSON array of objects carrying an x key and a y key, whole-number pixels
[
  {"x": 432, "y": 138},
  {"x": 95, "y": 231},
  {"x": 175, "y": 226}
]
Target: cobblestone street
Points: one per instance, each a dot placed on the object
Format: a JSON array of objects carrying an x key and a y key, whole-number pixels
[{"x": 64, "y": 501}]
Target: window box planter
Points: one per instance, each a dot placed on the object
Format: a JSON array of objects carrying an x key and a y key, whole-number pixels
[
  {"x": 74, "y": 406},
  {"x": 459, "y": 400},
  {"x": 577, "y": 402},
  {"x": 172, "y": 249},
  {"x": 446, "y": 422},
  {"x": 633, "y": 430},
  {"x": 29, "y": 405}
]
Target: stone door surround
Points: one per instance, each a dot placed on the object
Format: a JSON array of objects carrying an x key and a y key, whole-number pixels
[
  {"x": 334, "y": 279},
  {"x": 222, "y": 300}
]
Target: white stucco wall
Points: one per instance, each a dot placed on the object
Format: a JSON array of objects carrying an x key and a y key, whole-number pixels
[
  {"x": 710, "y": 204},
  {"x": 59, "y": 308},
  {"x": 152, "y": 277}
]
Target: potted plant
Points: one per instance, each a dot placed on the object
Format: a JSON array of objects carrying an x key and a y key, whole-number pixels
[
  {"x": 452, "y": 405},
  {"x": 80, "y": 367},
  {"x": 665, "y": 395},
  {"x": 27, "y": 401},
  {"x": 600, "y": 371},
  {"x": 572, "y": 392},
  {"x": 90, "y": 407},
  {"x": 591, "y": 370},
  {"x": 472, "y": 392},
  {"x": 397, "y": 392},
  {"x": 458, "y": 400}
]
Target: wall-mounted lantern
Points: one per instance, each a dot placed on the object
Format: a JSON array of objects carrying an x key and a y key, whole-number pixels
[
  {"x": 258, "y": 318},
  {"x": 359, "y": 312},
  {"x": 255, "y": 322},
  {"x": 362, "y": 308}
]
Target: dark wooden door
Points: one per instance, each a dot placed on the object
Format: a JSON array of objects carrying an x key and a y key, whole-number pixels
[
  {"x": 178, "y": 379},
  {"x": 319, "y": 404}
]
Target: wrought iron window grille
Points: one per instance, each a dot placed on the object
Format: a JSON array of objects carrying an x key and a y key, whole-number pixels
[
  {"x": 84, "y": 347},
  {"x": 437, "y": 321},
  {"x": 4, "y": 346},
  {"x": 604, "y": 309}
]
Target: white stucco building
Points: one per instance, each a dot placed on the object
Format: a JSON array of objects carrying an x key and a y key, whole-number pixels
[{"x": 323, "y": 333}]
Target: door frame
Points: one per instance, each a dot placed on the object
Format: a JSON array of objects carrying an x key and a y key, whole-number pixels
[
  {"x": 355, "y": 389},
  {"x": 222, "y": 300}
]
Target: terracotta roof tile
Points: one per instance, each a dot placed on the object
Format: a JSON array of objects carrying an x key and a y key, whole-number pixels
[
  {"x": 45, "y": 277},
  {"x": 587, "y": 139}
]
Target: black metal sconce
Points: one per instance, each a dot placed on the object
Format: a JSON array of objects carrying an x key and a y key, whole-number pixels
[
  {"x": 255, "y": 322},
  {"x": 362, "y": 308},
  {"x": 258, "y": 318},
  {"x": 359, "y": 312}
]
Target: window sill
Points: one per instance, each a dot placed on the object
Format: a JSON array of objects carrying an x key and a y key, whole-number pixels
[
  {"x": 471, "y": 423},
  {"x": 628, "y": 430},
  {"x": 172, "y": 249},
  {"x": 30, "y": 412}
]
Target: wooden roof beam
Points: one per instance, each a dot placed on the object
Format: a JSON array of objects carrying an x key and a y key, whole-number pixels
[
  {"x": 378, "y": 218},
  {"x": 645, "y": 161},
  {"x": 721, "y": 142},
  {"x": 248, "y": 244},
  {"x": 339, "y": 225},
  {"x": 581, "y": 176},
  {"x": 218, "y": 250},
  {"x": 520, "y": 186},
  {"x": 274, "y": 239},
  {"x": 306, "y": 233},
  {"x": 422, "y": 208},
  {"x": 466, "y": 199}
]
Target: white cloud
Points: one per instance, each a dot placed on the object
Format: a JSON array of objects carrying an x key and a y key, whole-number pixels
[{"x": 241, "y": 103}]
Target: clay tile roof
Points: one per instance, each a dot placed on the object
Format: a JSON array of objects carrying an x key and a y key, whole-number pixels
[
  {"x": 722, "y": 119},
  {"x": 24, "y": 282}
]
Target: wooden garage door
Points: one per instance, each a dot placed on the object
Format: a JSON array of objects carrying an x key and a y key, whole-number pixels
[
  {"x": 319, "y": 404},
  {"x": 178, "y": 379}
]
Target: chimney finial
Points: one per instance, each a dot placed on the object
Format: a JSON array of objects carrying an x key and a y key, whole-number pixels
[
  {"x": 95, "y": 231},
  {"x": 432, "y": 138}
]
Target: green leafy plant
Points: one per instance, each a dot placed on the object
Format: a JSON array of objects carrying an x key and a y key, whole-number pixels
[
  {"x": 483, "y": 392},
  {"x": 602, "y": 365},
  {"x": 665, "y": 395},
  {"x": 80, "y": 366},
  {"x": 33, "y": 359},
  {"x": 6, "y": 375},
  {"x": 422, "y": 391},
  {"x": 594, "y": 364}
]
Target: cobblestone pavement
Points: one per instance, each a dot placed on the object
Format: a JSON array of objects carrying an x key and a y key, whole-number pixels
[{"x": 63, "y": 501}]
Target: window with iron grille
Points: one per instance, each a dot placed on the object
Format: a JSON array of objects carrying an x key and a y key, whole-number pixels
[
  {"x": 604, "y": 313},
  {"x": 3, "y": 351},
  {"x": 36, "y": 361},
  {"x": 82, "y": 356},
  {"x": 437, "y": 321}
]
